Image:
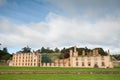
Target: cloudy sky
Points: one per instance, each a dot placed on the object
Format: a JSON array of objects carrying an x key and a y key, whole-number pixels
[{"x": 60, "y": 23}]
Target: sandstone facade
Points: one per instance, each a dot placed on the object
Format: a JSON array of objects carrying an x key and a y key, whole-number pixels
[{"x": 94, "y": 59}]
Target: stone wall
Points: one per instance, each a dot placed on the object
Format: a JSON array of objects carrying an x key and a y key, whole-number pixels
[
  {"x": 26, "y": 59},
  {"x": 116, "y": 63}
]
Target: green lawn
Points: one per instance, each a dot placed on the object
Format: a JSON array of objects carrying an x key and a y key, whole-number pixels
[
  {"x": 7, "y": 68},
  {"x": 60, "y": 77}
]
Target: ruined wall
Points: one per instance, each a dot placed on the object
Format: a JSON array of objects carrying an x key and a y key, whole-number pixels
[{"x": 91, "y": 61}]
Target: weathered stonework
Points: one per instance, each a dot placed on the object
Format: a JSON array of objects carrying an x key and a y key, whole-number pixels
[
  {"x": 93, "y": 59},
  {"x": 26, "y": 59}
]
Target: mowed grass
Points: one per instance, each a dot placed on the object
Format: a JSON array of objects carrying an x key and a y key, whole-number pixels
[
  {"x": 60, "y": 77},
  {"x": 7, "y": 68}
]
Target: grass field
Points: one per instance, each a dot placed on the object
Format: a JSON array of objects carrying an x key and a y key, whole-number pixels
[
  {"x": 7, "y": 68},
  {"x": 60, "y": 77}
]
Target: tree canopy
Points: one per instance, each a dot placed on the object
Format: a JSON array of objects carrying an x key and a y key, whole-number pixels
[
  {"x": 4, "y": 55},
  {"x": 25, "y": 50},
  {"x": 45, "y": 58}
]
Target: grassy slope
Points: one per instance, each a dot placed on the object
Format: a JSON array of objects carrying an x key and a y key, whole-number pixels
[
  {"x": 7, "y": 68},
  {"x": 61, "y": 77}
]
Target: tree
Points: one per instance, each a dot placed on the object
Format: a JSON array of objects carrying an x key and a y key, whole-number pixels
[
  {"x": 42, "y": 50},
  {"x": 0, "y": 46},
  {"x": 66, "y": 55},
  {"x": 39, "y": 51},
  {"x": 80, "y": 50},
  {"x": 101, "y": 51},
  {"x": 45, "y": 58},
  {"x": 4, "y": 55},
  {"x": 63, "y": 50},
  {"x": 26, "y": 50},
  {"x": 47, "y": 50},
  {"x": 5, "y": 50},
  {"x": 56, "y": 50},
  {"x": 116, "y": 56}
]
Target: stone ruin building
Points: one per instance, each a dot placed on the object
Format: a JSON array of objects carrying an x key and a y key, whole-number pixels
[{"x": 93, "y": 59}]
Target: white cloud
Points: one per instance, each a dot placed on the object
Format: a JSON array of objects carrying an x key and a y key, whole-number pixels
[
  {"x": 75, "y": 29},
  {"x": 87, "y": 9},
  {"x": 60, "y": 31}
]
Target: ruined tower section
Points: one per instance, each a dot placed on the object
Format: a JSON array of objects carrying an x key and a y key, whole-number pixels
[
  {"x": 73, "y": 56},
  {"x": 75, "y": 53},
  {"x": 83, "y": 53}
]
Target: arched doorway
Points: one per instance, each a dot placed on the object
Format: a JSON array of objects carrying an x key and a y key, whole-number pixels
[{"x": 96, "y": 66}]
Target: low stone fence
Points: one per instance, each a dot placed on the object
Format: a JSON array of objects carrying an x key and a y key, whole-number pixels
[
  {"x": 54, "y": 65},
  {"x": 116, "y": 63},
  {"x": 66, "y": 72}
]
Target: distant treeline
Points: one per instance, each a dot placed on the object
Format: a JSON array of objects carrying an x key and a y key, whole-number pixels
[
  {"x": 4, "y": 55},
  {"x": 64, "y": 50},
  {"x": 116, "y": 56},
  {"x": 63, "y": 53}
]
